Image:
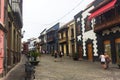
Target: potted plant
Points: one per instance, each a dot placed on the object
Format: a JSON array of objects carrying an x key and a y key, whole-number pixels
[
  {"x": 75, "y": 56},
  {"x": 34, "y": 55}
]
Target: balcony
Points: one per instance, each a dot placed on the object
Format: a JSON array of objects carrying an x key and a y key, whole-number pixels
[
  {"x": 50, "y": 39},
  {"x": 17, "y": 10},
  {"x": 107, "y": 24},
  {"x": 41, "y": 43},
  {"x": 72, "y": 38},
  {"x": 63, "y": 40}
]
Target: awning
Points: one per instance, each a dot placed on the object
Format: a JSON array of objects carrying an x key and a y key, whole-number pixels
[{"x": 103, "y": 9}]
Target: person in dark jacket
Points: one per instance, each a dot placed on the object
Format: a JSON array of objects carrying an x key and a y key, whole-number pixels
[
  {"x": 55, "y": 55},
  {"x": 61, "y": 55}
]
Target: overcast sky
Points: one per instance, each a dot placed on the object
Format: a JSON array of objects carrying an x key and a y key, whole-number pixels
[{"x": 41, "y": 14}]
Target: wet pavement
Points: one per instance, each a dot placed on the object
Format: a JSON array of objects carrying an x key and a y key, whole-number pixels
[
  {"x": 74, "y": 70},
  {"x": 65, "y": 70}
]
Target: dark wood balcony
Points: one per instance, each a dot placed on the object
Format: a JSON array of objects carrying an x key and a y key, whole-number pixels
[
  {"x": 72, "y": 38},
  {"x": 63, "y": 40},
  {"x": 50, "y": 39},
  {"x": 107, "y": 24},
  {"x": 41, "y": 43}
]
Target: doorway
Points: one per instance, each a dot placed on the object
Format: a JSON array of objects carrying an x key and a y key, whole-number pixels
[
  {"x": 73, "y": 49},
  {"x": 117, "y": 46},
  {"x": 90, "y": 52},
  {"x": 107, "y": 47},
  {"x": 80, "y": 51}
]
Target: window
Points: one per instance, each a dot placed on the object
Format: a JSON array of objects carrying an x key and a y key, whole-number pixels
[
  {"x": 98, "y": 20},
  {"x": 107, "y": 46},
  {"x": 78, "y": 26},
  {"x": 10, "y": 2},
  {"x": 78, "y": 29},
  {"x": 107, "y": 16},
  {"x": 117, "y": 46},
  {"x": 117, "y": 9},
  {"x": 59, "y": 35},
  {"x": 87, "y": 24},
  {"x": 62, "y": 35},
  {"x": 72, "y": 32}
]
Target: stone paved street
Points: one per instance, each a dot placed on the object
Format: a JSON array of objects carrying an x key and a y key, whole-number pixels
[
  {"x": 74, "y": 70},
  {"x": 65, "y": 70}
]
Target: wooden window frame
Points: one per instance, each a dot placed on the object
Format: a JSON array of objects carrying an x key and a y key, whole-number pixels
[
  {"x": 87, "y": 24},
  {"x": 78, "y": 29}
]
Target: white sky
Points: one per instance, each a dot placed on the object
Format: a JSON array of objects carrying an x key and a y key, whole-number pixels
[{"x": 41, "y": 14}]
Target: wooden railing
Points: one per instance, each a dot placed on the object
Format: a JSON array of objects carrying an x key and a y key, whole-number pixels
[
  {"x": 63, "y": 40},
  {"x": 110, "y": 22},
  {"x": 42, "y": 42},
  {"x": 50, "y": 39}
]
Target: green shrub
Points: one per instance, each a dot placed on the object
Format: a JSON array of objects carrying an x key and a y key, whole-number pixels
[{"x": 34, "y": 54}]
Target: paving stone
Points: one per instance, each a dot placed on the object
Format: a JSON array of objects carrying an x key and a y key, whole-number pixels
[
  {"x": 18, "y": 72},
  {"x": 74, "y": 70},
  {"x": 65, "y": 70}
]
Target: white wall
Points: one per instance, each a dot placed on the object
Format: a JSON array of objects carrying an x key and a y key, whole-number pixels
[{"x": 89, "y": 34}]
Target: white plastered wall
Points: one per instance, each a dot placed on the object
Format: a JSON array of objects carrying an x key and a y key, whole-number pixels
[{"x": 89, "y": 34}]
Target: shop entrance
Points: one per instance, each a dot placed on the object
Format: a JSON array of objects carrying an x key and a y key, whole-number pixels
[
  {"x": 117, "y": 46},
  {"x": 90, "y": 53}
]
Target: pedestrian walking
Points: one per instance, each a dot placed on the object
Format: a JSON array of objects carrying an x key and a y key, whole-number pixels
[
  {"x": 107, "y": 59},
  {"x": 55, "y": 55},
  {"x": 102, "y": 60},
  {"x": 61, "y": 55}
]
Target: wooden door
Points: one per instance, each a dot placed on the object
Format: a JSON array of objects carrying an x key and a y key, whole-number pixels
[
  {"x": 117, "y": 46},
  {"x": 80, "y": 51},
  {"x": 73, "y": 49},
  {"x": 107, "y": 47},
  {"x": 90, "y": 53}
]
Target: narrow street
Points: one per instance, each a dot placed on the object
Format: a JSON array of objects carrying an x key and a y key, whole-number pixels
[{"x": 73, "y": 70}]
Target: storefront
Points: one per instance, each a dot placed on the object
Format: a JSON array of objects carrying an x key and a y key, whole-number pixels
[
  {"x": 109, "y": 42},
  {"x": 106, "y": 19}
]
